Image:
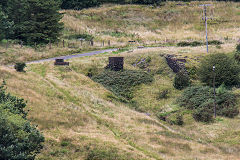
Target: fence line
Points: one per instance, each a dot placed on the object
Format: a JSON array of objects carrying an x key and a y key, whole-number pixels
[{"x": 92, "y": 43}]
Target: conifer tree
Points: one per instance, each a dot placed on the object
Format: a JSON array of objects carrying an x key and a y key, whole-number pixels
[
  {"x": 35, "y": 20},
  {"x": 79, "y": 4},
  {"x": 5, "y": 25}
]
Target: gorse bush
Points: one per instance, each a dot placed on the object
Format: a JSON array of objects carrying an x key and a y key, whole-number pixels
[
  {"x": 181, "y": 80},
  {"x": 197, "y": 43},
  {"x": 122, "y": 83},
  {"x": 226, "y": 70},
  {"x": 215, "y": 42},
  {"x": 192, "y": 44},
  {"x": 200, "y": 99},
  {"x": 18, "y": 138},
  {"x": 20, "y": 66}
]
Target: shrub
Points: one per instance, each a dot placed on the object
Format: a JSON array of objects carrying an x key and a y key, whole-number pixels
[
  {"x": 204, "y": 112},
  {"x": 181, "y": 80},
  {"x": 12, "y": 103},
  {"x": 193, "y": 44},
  {"x": 20, "y": 66},
  {"x": 18, "y": 138},
  {"x": 122, "y": 83},
  {"x": 183, "y": 44},
  {"x": 226, "y": 70},
  {"x": 200, "y": 99},
  {"x": 238, "y": 48},
  {"x": 215, "y": 42},
  {"x": 192, "y": 71}
]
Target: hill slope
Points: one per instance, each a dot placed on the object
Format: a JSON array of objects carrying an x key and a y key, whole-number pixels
[
  {"x": 83, "y": 120},
  {"x": 80, "y": 119}
]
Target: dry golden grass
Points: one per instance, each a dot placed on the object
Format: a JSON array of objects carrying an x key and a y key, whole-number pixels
[
  {"x": 169, "y": 22},
  {"x": 68, "y": 106}
]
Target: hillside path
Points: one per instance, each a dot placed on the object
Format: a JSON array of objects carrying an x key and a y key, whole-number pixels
[{"x": 73, "y": 56}]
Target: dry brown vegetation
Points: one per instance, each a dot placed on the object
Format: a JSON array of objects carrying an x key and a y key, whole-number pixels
[
  {"x": 170, "y": 22},
  {"x": 78, "y": 116}
]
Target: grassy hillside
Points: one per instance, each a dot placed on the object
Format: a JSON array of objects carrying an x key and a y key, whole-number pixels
[
  {"x": 169, "y": 22},
  {"x": 147, "y": 25},
  {"x": 83, "y": 120}
]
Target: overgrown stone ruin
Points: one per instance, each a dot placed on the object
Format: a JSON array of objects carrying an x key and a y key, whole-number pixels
[
  {"x": 175, "y": 64},
  {"x": 115, "y": 63}
]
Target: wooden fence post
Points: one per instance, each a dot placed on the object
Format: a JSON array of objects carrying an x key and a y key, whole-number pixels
[
  {"x": 50, "y": 45},
  {"x": 7, "y": 45},
  {"x": 63, "y": 43},
  {"x": 109, "y": 43}
]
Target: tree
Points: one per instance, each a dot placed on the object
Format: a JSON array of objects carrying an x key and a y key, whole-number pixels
[
  {"x": 5, "y": 25},
  {"x": 18, "y": 138},
  {"x": 79, "y": 4},
  {"x": 227, "y": 71},
  {"x": 35, "y": 20}
]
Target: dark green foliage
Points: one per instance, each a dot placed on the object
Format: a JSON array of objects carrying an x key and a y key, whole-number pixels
[
  {"x": 11, "y": 103},
  {"x": 200, "y": 99},
  {"x": 122, "y": 83},
  {"x": 5, "y": 25},
  {"x": 34, "y": 20},
  {"x": 196, "y": 43},
  {"x": 193, "y": 44},
  {"x": 238, "y": 48},
  {"x": 20, "y": 66},
  {"x": 204, "y": 112},
  {"x": 237, "y": 53},
  {"x": 79, "y": 4},
  {"x": 193, "y": 97},
  {"x": 215, "y": 42},
  {"x": 18, "y": 138},
  {"x": 192, "y": 71},
  {"x": 181, "y": 80},
  {"x": 226, "y": 70},
  {"x": 133, "y": 1}
]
